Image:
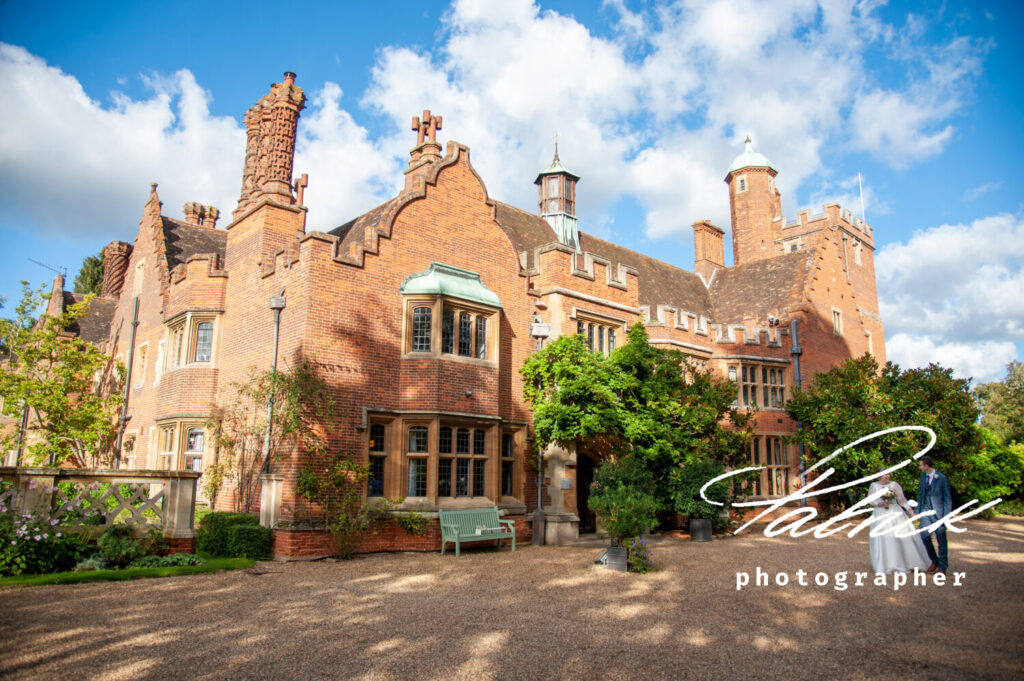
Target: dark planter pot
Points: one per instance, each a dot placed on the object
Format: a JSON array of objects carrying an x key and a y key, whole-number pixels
[
  {"x": 700, "y": 529},
  {"x": 616, "y": 557}
]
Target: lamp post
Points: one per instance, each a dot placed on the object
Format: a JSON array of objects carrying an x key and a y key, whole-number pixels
[
  {"x": 277, "y": 304},
  {"x": 795, "y": 351},
  {"x": 539, "y": 331}
]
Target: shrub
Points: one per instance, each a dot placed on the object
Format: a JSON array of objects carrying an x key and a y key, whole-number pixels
[
  {"x": 412, "y": 523},
  {"x": 212, "y": 535},
  {"x": 250, "y": 541},
  {"x": 93, "y": 562},
  {"x": 623, "y": 498},
  {"x": 339, "y": 494},
  {"x": 686, "y": 484},
  {"x": 1014, "y": 507},
  {"x": 35, "y": 546},
  {"x": 638, "y": 556},
  {"x": 120, "y": 544},
  {"x": 170, "y": 560}
]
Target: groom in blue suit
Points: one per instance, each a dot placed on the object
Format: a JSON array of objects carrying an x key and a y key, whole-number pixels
[{"x": 933, "y": 495}]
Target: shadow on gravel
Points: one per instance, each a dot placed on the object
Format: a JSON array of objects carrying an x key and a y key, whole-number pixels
[{"x": 538, "y": 613}]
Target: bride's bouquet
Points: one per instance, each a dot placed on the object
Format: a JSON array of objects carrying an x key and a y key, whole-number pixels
[{"x": 888, "y": 497}]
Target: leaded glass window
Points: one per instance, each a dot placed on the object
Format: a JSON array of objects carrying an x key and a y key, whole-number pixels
[
  {"x": 421, "y": 329},
  {"x": 448, "y": 332},
  {"x": 204, "y": 341},
  {"x": 478, "y": 477},
  {"x": 481, "y": 338},
  {"x": 465, "y": 334}
]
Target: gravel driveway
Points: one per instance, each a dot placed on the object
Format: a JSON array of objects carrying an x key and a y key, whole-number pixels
[{"x": 538, "y": 613}]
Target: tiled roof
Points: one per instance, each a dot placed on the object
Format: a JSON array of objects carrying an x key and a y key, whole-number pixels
[
  {"x": 184, "y": 240},
  {"x": 527, "y": 231},
  {"x": 354, "y": 231},
  {"x": 754, "y": 290},
  {"x": 660, "y": 283},
  {"x": 95, "y": 325}
]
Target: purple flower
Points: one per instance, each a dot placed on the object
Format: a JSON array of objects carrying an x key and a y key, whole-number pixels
[
  {"x": 37, "y": 537},
  {"x": 58, "y": 534},
  {"x": 53, "y": 522}
]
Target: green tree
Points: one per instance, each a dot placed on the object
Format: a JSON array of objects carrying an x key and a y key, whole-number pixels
[
  {"x": 1002, "y": 404},
  {"x": 623, "y": 497},
  {"x": 302, "y": 403},
  {"x": 71, "y": 414},
  {"x": 856, "y": 399},
  {"x": 90, "y": 277},
  {"x": 642, "y": 401}
]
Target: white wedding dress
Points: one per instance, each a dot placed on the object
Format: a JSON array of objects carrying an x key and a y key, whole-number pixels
[{"x": 890, "y": 553}]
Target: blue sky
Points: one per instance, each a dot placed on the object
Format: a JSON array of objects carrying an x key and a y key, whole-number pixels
[{"x": 651, "y": 101}]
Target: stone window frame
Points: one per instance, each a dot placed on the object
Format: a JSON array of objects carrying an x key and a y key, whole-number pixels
[
  {"x": 397, "y": 457},
  {"x": 167, "y": 445},
  {"x": 141, "y": 365},
  {"x": 188, "y": 453},
  {"x": 380, "y": 453},
  {"x": 138, "y": 277},
  {"x": 858, "y": 248},
  {"x": 756, "y": 377},
  {"x": 599, "y": 330},
  {"x": 770, "y": 450},
  {"x": 182, "y": 349},
  {"x": 837, "y": 321},
  {"x": 439, "y": 304},
  {"x": 871, "y": 341},
  {"x": 471, "y": 456},
  {"x": 742, "y": 184}
]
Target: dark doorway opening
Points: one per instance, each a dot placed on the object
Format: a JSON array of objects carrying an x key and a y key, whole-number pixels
[{"x": 584, "y": 477}]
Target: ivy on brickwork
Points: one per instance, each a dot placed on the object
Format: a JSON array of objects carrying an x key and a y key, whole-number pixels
[
  {"x": 302, "y": 402},
  {"x": 65, "y": 388}
]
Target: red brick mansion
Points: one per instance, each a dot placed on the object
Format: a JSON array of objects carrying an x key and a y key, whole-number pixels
[{"x": 419, "y": 313}]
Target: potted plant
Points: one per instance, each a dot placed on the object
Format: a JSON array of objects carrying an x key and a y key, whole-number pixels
[
  {"x": 687, "y": 483},
  {"x": 622, "y": 496}
]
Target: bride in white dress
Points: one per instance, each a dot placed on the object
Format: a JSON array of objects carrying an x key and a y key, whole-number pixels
[{"x": 890, "y": 553}]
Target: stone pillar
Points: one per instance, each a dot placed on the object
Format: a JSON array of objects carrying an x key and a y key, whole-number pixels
[
  {"x": 180, "y": 505},
  {"x": 270, "y": 499},
  {"x": 35, "y": 490},
  {"x": 561, "y": 524}
]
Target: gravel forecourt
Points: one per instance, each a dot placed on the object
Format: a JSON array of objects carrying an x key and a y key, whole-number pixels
[{"x": 538, "y": 613}]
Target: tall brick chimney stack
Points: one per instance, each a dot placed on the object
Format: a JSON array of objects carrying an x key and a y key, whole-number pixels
[
  {"x": 200, "y": 215},
  {"x": 115, "y": 267},
  {"x": 709, "y": 249},
  {"x": 427, "y": 150},
  {"x": 271, "y": 126}
]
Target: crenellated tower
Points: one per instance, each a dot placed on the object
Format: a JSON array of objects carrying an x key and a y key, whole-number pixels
[{"x": 755, "y": 206}]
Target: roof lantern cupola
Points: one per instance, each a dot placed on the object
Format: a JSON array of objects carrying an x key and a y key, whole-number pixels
[{"x": 556, "y": 201}]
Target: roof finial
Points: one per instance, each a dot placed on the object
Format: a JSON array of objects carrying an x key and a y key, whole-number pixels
[
  {"x": 556, "y": 145},
  {"x": 747, "y": 141}
]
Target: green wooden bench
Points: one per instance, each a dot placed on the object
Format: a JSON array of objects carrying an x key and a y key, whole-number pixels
[{"x": 461, "y": 526}]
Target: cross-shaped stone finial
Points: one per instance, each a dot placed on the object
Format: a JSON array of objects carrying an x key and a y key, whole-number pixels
[
  {"x": 426, "y": 128},
  {"x": 300, "y": 187}
]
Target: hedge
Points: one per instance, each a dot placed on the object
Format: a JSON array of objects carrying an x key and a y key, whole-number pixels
[
  {"x": 212, "y": 535},
  {"x": 250, "y": 541}
]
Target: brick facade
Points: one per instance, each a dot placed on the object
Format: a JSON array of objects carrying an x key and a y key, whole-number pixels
[{"x": 204, "y": 320}]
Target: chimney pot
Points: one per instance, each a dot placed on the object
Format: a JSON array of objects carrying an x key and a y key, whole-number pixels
[{"x": 289, "y": 77}]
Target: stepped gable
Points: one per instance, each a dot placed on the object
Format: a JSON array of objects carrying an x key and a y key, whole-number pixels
[
  {"x": 527, "y": 231},
  {"x": 757, "y": 289},
  {"x": 354, "y": 231},
  {"x": 660, "y": 283},
  {"x": 184, "y": 240},
  {"x": 95, "y": 325}
]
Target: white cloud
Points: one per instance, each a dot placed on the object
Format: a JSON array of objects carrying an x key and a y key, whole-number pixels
[
  {"x": 77, "y": 167},
  {"x": 975, "y": 193},
  {"x": 954, "y": 292},
  {"x": 983, "y": 362},
  {"x": 654, "y": 113}
]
